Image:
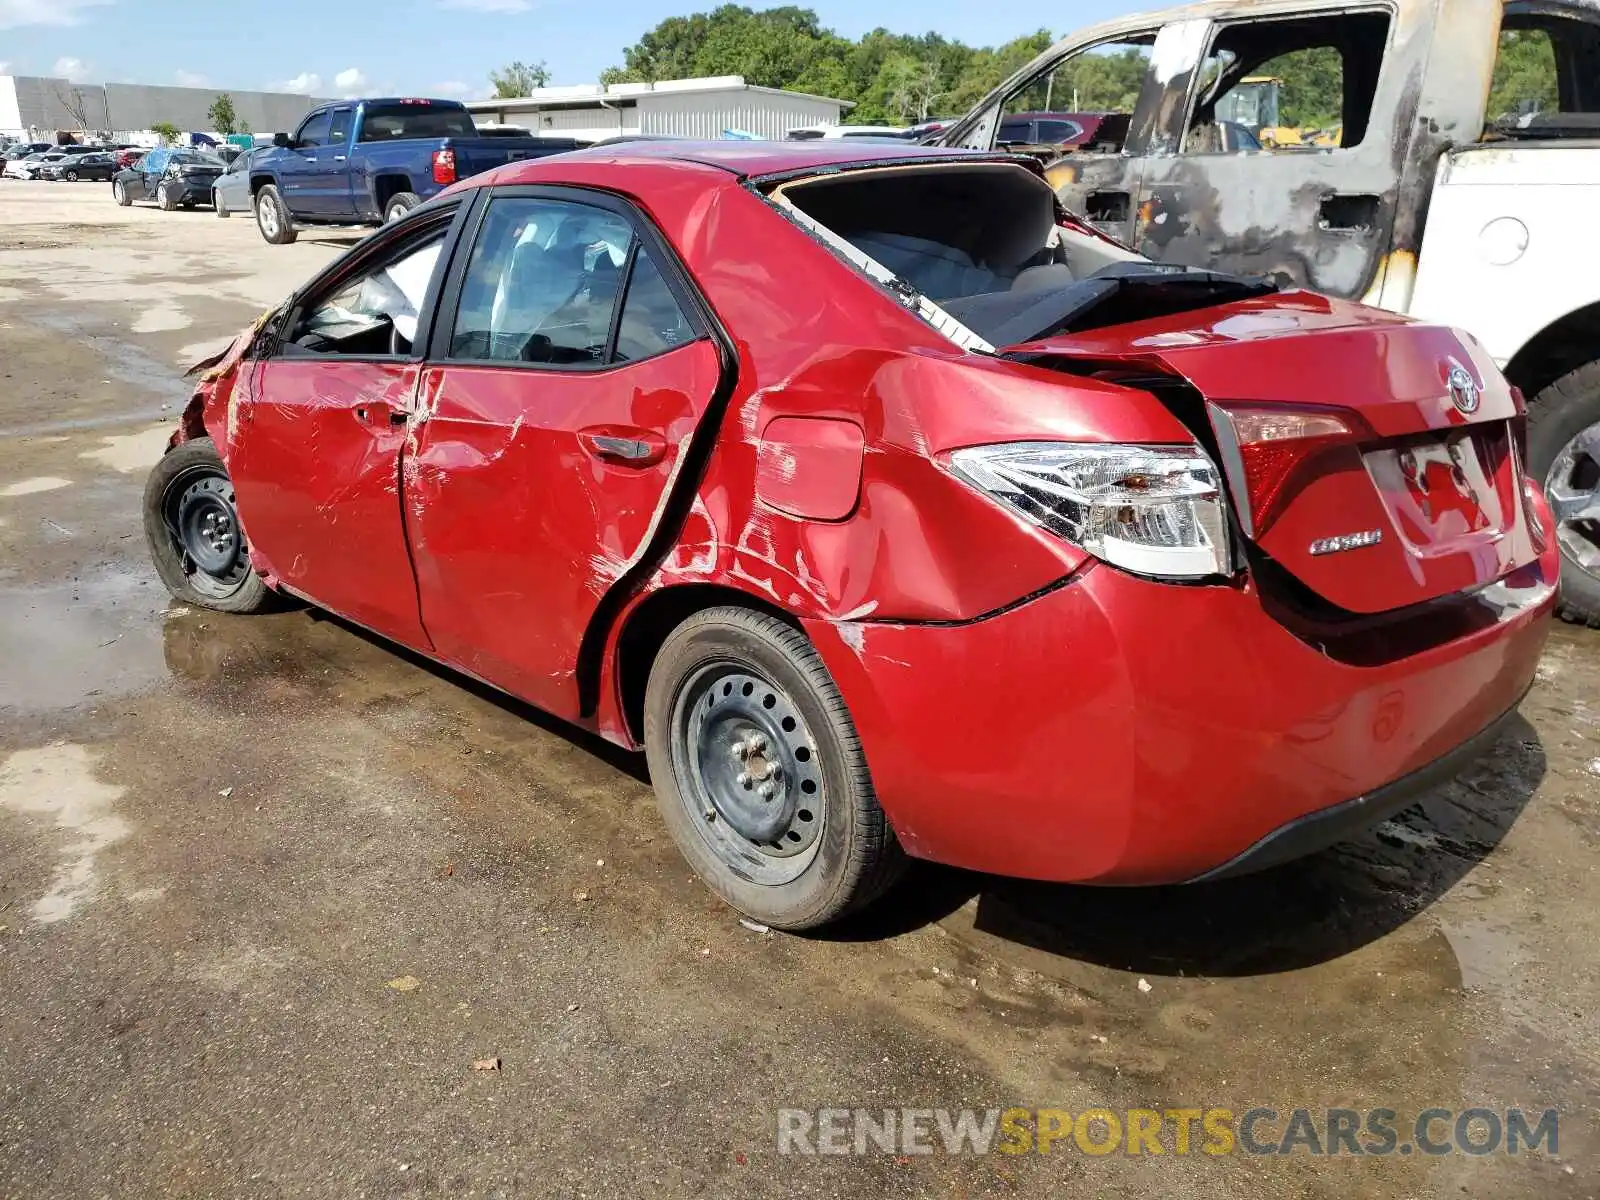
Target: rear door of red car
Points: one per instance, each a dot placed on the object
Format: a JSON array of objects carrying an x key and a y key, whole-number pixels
[
  {"x": 570, "y": 365},
  {"x": 316, "y": 439}
]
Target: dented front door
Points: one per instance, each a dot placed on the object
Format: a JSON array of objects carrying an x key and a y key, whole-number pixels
[{"x": 316, "y": 467}]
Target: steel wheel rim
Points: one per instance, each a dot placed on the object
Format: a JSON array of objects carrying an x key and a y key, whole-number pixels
[
  {"x": 203, "y": 526},
  {"x": 748, "y": 772},
  {"x": 1572, "y": 487}
]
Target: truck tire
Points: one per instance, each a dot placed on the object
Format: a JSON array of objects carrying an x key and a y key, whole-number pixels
[
  {"x": 399, "y": 205},
  {"x": 1564, "y": 456},
  {"x": 273, "y": 219}
]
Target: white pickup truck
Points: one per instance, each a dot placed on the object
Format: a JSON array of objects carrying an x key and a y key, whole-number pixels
[{"x": 1419, "y": 199}]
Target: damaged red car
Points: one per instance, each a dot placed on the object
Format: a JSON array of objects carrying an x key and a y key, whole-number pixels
[{"x": 891, "y": 509}]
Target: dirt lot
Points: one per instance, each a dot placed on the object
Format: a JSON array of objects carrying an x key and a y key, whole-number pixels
[{"x": 268, "y": 888}]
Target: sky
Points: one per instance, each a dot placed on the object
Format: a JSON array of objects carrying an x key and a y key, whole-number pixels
[{"x": 443, "y": 48}]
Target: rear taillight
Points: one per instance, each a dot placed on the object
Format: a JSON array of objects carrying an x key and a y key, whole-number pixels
[
  {"x": 444, "y": 166},
  {"x": 1153, "y": 510},
  {"x": 1262, "y": 448}
]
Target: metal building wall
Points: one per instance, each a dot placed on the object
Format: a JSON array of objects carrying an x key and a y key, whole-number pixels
[
  {"x": 707, "y": 114},
  {"x": 135, "y": 106},
  {"x": 589, "y": 122},
  {"x": 45, "y": 104}
]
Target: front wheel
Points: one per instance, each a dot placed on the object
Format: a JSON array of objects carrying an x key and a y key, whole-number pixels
[
  {"x": 759, "y": 774},
  {"x": 217, "y": 203},
  {"x": 272, "y": 217},
  {"x": 1564, "y": 454},
  {"x": 399, "y": 205},
  {"x": 192, "y": 525},
  {"x": 72, "y": 177}
]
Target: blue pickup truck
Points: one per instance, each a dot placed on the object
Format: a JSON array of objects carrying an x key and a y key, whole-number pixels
[{"x": 361, "y": 162}]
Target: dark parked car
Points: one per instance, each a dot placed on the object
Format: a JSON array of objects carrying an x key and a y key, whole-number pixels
[
  {"x": 889, "y": 510},
  {"x": 75, "y": 167},
  {"x": 172, "y": 178}
]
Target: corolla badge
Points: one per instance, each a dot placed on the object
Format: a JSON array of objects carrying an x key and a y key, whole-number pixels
[
  {"x": 1463, "y": 387},
  {"x": 1347, "y": 541}
]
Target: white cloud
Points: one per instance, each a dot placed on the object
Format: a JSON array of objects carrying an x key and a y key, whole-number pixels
[
  {"x": 17, "y": 13},
  {"x": 350, "y": 82},
  {"x": 190, "y": 79},
  {"x": 74, "y": 69},
  {"x": 307, "y": 83},
  {"x": 489, "y": 6},
  {"x": 452, "y": 89}
]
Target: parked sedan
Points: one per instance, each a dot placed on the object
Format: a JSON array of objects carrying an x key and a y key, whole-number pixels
[
  {"x": 890, "y": 509},
  {"x": 231, "y": 191},
  {"x": 77, "y": 167},
  {"x": 31, "y": 166},
  {"x": 172, "y": 178}
]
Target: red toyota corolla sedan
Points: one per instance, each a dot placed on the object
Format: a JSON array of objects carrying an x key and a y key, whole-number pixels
[{"x": 891, "y": 509}]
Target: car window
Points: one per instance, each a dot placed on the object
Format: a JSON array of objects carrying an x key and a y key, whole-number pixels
[
  {"x": 541, "y": 283},
  {"x": 1293, "y": 85},
  {"x": 315, "y": 131},
  {"x": 1103, "y": 78},
  {"x": 1015, "y": 131},
  {"x": 339, "y": 130},
  {"x": 1058, "y": 132},
  {"x": 414, "y": 119},
  {"x": 357, "y": 319},
  {"x": 1545, "y": 84},
  {"x": 652, "y": 321}
]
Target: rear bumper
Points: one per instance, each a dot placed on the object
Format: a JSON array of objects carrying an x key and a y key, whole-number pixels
[{"x": 1121, "y": 731}]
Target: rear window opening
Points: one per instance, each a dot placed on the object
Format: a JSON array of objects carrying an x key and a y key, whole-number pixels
[
  {"x": 1546, "y": 81},
  {"x": 981, "y": 251}
]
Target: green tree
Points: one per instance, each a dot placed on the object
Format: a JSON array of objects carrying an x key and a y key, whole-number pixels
[
  {"x": 1524, "y": 75},
  {"x": 223, "y": 119},
  {"x": 519, "y": 79},
  {"x": 166, "y": 131}
]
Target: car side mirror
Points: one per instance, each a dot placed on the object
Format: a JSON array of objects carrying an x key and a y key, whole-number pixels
[{"x": 283, "y": 141}]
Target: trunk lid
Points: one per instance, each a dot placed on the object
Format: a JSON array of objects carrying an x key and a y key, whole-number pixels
[{"x": 1371, "y": 457}]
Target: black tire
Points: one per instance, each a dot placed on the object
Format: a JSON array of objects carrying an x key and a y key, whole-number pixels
[
  {"x": 119, "y": 193},
  {"x": 1555, "y": 416},
  {"x": 72, "y": 177},
  {"x": 186, "y": 485},
  {"x": 164, "y": 199},
  {"x": 854, "y": 856},
  {"x": 275, "y": 223},
  {"x": 399, "y": 205}
]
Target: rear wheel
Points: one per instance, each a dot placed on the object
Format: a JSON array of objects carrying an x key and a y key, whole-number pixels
[
  {"x": 165, "y": 198},
  {"x": 1564, "y": 453},
  {"x": 272, "y": 217},
  {"x": 759, "y": 773},
  {"x": 119, "y": 193},
  {"x": 195, "y": 537},
  {"x": 399, "y": 205}
]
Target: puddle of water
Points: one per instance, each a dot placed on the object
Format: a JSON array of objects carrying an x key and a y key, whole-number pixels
[
  {"x": 58, "y": 783},
  {"x": 66, "y": 643},
  {"x": 132, "y": 451},
  {"x": 31, "y": 487}
]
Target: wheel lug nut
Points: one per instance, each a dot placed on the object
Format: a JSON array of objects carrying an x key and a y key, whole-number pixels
[
  {"x": 773, "y": 771},
  {"x": 744, "y": 779},
  {"x": 767, "y": 791}
]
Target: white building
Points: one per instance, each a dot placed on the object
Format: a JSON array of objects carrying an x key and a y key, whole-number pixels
[{"x": 688, "y": 108}]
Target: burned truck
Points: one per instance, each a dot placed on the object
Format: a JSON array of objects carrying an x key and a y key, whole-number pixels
[{"x": 1454, "y": 183}]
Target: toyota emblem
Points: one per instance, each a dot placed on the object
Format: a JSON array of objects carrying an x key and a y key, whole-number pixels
[{"x": 1463, "y": 388}]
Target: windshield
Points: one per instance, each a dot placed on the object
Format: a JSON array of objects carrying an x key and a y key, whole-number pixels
[{"x": 414, "y": 119}]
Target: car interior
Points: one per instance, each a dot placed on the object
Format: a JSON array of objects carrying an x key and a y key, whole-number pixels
[{"x": 989, "y": 246}]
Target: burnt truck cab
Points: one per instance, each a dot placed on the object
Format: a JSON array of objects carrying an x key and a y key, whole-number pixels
[{"x": 1447, "y": 193}]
